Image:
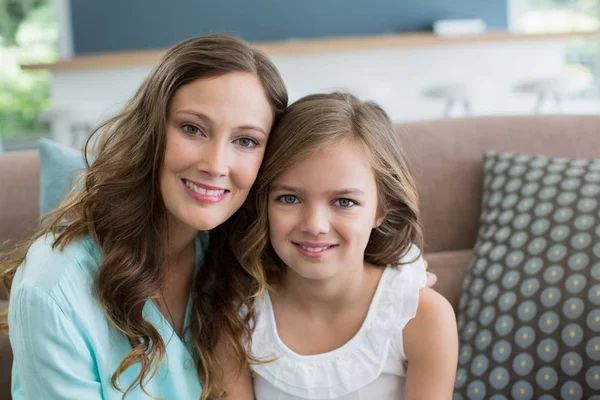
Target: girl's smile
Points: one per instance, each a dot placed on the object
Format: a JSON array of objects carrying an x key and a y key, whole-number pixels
[{"x": 315, "y": 249}]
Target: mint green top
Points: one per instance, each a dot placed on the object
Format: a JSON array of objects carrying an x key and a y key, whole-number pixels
[{"x": 65, "y": 348}]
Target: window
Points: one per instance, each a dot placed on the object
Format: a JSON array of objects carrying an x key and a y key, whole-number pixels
[
  {"x": 28, "y": 34},
  {"x": 560, "y": 16},
  {"x": 583, "y": 54}
]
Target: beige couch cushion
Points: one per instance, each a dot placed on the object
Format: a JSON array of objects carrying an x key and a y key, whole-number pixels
[
  {"x": 19, "y": 197},
  {"x": 20, "y": 194},
  {"x": 446, "y": 156},
  {"x": 450, "y": 268}
]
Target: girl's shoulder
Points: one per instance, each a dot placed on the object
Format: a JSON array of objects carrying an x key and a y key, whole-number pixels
[
  {"x": 410, "y": 269},
  {"x": 397, "y": 297}
]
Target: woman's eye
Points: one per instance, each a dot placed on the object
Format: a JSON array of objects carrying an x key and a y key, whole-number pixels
[
  {"x": 345, "y": 203},
  {"x": 190, "y": 129},
  {"x": 248, "y": 143},
  {"x": 288, "y": 199}
]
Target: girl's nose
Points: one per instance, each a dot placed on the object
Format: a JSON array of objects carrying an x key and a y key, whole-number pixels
[{"x": 315, "y": 221}]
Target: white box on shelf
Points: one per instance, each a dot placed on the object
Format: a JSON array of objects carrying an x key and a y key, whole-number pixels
[{"x": 457, "y": 27}]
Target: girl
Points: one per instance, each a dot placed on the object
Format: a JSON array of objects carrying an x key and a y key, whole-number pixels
[
  {"x": 334, "y": 209},
  {"x": 107, "y": 300}
]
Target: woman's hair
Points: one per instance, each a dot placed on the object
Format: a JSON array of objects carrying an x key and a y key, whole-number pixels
[
  {"x": 320, "y": 121},
  {"x": 120, "y": 206}
]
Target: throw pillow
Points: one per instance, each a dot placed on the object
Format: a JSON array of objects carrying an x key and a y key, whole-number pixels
[
  {"x": 529, "y": 311},
  {"x": 60, "y": 167}
]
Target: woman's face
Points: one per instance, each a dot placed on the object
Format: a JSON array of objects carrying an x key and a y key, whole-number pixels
[{"x": 217, "y": 129}]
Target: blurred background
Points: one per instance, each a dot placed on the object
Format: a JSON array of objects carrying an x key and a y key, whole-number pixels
[
  {"x": 67, "y": 64},
  {"x": 28, "y": 34}
]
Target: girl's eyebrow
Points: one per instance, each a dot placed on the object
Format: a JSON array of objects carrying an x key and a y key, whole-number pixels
[
  {"x": 284, "y": 188},
  {"x": 345, "y": 192},
  {"x": 340, "y": 192}
]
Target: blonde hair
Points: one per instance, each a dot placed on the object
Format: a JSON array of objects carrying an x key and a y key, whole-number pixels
[
  {"x": 120, "y": 207},
  {"x": 321, "y": 120}
]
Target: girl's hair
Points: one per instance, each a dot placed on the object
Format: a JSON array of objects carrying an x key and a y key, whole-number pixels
[
  {"x": 320, "y": 121},
  {"x": 119, "y": 205}
]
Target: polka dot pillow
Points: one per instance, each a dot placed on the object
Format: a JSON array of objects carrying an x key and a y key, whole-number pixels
[{"x": 529, "y": 311}]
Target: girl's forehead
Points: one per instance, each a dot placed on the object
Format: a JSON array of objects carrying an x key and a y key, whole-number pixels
[{"x": 342, "y": 164}]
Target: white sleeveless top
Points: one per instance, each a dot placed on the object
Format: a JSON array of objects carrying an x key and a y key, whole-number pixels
[{"x": 372, "y": 365}]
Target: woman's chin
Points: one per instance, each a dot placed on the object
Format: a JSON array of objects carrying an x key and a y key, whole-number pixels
[{"x": 206, "y": 224}]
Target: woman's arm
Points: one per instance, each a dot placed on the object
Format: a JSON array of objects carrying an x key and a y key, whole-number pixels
[
  {"x": 431, "y": 347},
  {"x": 52, "y": 359}
]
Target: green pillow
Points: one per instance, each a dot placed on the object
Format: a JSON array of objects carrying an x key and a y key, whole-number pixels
[
  {"x": 60, "y": 168},
  {"x": 529, "y": 312}
]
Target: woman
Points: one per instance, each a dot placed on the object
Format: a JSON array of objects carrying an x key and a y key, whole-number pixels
[
  {"x": 100, "y": 298},
  {"x": 108, "y": 298}
]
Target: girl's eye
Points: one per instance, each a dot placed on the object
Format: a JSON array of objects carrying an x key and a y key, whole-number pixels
[
  {"x": 288, "y": 199},
  {"x": 190, "y": 129},
  {"x": 345, "y": 203},
  {"x": 248, "y": 143}
]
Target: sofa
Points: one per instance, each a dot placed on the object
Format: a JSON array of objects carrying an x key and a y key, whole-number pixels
[{"x": 445, "y": 156}]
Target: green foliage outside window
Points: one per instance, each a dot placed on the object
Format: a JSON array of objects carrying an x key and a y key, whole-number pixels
[
  {"x": 583, "y": 54},
  {"x": 28, "y": 35}
]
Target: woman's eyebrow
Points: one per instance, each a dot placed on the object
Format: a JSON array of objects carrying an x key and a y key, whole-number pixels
[
  {"x": 252, "y": 128},
  {"x": 196, "y": 114},
  {"x": 208, "y": 119}
]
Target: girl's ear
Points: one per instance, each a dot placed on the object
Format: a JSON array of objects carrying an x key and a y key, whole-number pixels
[{"x": 379, "y": 221}]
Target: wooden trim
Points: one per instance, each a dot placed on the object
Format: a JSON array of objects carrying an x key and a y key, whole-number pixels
[
  {"x": 402, "y": 40},
  {"x": 106, "y": 60},
  {"x": 307, "y": 46}
]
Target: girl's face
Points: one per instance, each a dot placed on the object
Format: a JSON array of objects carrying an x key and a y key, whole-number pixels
[
  {"x": 322, "y": 211},
  {"x": 217, "y": 129}
]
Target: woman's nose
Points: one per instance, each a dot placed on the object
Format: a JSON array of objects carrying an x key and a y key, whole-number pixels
[{"x": 214, "y": 160}]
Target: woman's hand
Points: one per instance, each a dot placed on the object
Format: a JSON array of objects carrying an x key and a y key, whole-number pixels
[{"x": 431, "y": 277}]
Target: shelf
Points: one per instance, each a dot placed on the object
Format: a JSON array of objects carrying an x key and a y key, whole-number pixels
[{"x": 308, "y": 46}]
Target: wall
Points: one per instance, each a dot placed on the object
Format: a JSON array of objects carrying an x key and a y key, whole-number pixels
[
  {"x": 393, "y": 77},
  {"x": 116, "y": 25}
]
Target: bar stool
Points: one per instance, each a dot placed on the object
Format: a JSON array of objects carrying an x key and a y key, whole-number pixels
[
  {"x": 556, "y": 88},
  {"x": 80, "y": 123},
  {"x": 455, "y": 95}
]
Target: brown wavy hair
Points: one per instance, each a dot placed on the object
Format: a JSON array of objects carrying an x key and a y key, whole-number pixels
[
  {"x": 119, "y": 205},
  {"x": 323, "y": 120}
]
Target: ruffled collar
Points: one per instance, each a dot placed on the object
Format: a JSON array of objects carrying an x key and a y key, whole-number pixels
[{"x": 355, "y": 364}]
